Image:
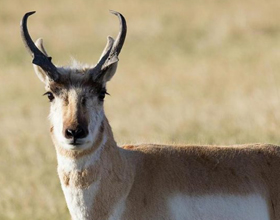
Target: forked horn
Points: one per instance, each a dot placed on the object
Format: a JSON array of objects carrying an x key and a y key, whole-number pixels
[
  {"x": 39, "y": 58},
  {"x": 104, "y": 57},
  {"x": 118, "y": 44},
  {"x": 112, "y": 49}
]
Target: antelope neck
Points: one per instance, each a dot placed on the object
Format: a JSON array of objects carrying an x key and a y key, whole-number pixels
[{"x": 86, "y": 160}]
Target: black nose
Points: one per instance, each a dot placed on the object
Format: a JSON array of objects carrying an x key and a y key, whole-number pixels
[{"x": 77, "y": 133}]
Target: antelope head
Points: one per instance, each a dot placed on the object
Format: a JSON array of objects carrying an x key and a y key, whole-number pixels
[{"x": 76, "y": 93}]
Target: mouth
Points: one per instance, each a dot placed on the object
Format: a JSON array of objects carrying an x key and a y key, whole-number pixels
[{"x": 75, "y": 143}]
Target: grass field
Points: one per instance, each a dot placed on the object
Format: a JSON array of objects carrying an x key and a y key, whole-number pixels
[{"x": 191, "y": 71}]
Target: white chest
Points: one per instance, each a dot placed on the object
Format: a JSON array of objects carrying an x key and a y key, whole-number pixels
[
  {"x": 218, "y": 207},
  {"x": 80, "y": 201}
]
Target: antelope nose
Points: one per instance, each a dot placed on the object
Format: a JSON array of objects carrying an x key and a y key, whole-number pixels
[{"x": 77, "y": 133}]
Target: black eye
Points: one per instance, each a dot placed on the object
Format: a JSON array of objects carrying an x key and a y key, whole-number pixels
[
  {"x": 83, "y": 101},
  {"x": 102, "y": 94},
  {"x": 49, "y": 95}
]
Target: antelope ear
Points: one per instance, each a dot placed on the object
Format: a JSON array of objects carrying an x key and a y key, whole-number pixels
[
  {"x": 106, "y": 73},
  {"x": 109, "y": 71},
  {"x": 110, "y": 66},
  {"x": 38, "y": 70}
]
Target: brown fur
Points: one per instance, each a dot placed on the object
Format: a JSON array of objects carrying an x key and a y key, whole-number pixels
[
  {"x": 163, "y": 171},
  {"x": 204, "y": 170},
  {"x": 74, "y": 114},
  {"x": 115, "y": 176},
  {"x": 146, "y": 175}
]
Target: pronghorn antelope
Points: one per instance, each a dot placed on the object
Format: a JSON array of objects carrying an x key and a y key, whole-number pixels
[{"x": 144, "y": 182}]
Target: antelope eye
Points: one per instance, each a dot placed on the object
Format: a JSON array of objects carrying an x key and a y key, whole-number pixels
[
  {"x": 49, "y": 95},
  {"x": 83, "y": 101},
  {"x": 102, "y": 95}
]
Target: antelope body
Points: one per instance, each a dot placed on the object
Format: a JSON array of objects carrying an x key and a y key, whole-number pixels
[{"x": 102, "y": 181}]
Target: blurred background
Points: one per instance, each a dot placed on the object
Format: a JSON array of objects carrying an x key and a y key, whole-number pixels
[{"x": 190, "y": 72}]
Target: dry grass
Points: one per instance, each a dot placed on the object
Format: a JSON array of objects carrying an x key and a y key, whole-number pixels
[{"x": 191, "y": 71}]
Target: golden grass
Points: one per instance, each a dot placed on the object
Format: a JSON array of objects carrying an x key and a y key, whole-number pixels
[{"x": 191, "y": 71}]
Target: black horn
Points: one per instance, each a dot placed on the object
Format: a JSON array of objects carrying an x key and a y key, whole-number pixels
[
  {"x": 118, "y": 44},
  {"x": 39, "y": 58},
  {"x": 104, "y": 57},
  {"x": 112, "y": 49}
]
